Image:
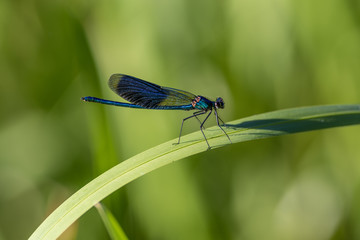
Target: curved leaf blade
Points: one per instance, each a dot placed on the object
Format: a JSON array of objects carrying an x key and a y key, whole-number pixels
[{"x": 255, "y": 127}]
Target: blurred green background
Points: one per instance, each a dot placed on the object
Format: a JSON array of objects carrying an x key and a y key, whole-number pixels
[{"x": 259, "y": 55}]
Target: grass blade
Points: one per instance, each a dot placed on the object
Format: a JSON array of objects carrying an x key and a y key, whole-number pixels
[
  {"x": 251, "y": 128},
  {"x": 113, "y": 227}
]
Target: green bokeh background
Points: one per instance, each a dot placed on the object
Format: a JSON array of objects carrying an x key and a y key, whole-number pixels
[{"x": 259, "y": 55}]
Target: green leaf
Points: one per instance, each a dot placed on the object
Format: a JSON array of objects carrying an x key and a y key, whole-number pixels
[
  {"x": 255, "y": 127},
  {"x": 113, "y": 227}
]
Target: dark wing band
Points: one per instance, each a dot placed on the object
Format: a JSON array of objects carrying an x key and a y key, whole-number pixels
[{"x": 146, "y": 94}]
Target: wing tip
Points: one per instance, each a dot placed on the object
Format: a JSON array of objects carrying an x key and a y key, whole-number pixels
[{"x": 114, "y": 80}]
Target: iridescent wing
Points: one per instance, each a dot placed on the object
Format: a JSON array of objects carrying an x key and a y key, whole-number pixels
[{"x": 146, "y": 94}]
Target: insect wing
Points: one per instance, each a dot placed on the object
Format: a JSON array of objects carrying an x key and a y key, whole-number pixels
[
  {"x": 176, "y": 97},
  {"x": 146, "y": 94}
]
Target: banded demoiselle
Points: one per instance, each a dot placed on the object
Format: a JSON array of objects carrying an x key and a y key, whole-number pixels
[{"x": 145, "y": 95}]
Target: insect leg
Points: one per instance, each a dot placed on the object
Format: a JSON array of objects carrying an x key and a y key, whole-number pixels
[
  {"x": 217, "y": 121},
  {"x": 220, "y": 120},
  {"x": 195, "y": 114},
  {"x": 201, "y": 126}
]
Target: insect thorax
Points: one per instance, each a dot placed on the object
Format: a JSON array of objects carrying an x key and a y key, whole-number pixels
[{"x": 202, "y": 103}]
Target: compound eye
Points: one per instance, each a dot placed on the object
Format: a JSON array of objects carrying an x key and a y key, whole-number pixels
[{"x": 220, "y": 103}]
